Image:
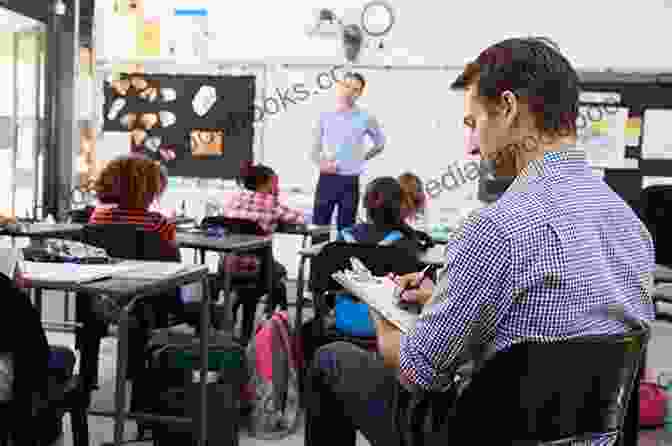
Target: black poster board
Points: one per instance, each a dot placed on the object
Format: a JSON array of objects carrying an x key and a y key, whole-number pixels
[
  {"x": 638, "y": 92},
  {"x": 231, "y": 116}
]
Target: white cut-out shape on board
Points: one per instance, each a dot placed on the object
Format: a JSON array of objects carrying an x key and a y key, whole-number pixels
[
  {"x": 153, "y": 143},
  {"x": 116, "y": 107},
  {"x": 168, "y": 94},
  {"x": 204, "y": 100},
  {"x": 128, "y": 120},
  {"x": 167, "y": 118}
]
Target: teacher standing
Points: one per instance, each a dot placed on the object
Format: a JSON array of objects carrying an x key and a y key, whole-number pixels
[{"x": 339, "y": 150}]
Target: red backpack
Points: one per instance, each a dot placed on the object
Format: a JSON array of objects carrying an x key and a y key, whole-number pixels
[{"x": 274, "y": 362}]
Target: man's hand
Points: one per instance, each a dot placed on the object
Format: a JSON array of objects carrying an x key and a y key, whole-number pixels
[
  {"x": 373, "y": 152},
  {"x": 416, "y": 292}
]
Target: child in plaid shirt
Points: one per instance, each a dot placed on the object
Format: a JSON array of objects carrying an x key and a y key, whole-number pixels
[{"x": 258, "y": 202}]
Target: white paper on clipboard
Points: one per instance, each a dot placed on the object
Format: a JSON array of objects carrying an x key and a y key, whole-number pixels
[
  {"x": 657, "y": 143},
  {"x": 654, "y": 181},
  {"x": 602, "y": 135}
]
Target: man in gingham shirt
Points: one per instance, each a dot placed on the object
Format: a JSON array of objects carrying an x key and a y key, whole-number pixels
[{"x": 537, "y": 265}]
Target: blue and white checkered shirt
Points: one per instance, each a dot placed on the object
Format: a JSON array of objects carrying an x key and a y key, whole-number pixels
[{"x": 531, "y": 266}]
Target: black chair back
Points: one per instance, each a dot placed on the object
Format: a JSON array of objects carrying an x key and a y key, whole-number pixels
[
  {"x": 80, "y": 216},
  {"x": 233, "y": 225},
  {"x": 381, "y": 260},
  {"x": 535, "y": 393},
  {"x": 656, "y": 213},
  {"x": 127, "y": 241}
]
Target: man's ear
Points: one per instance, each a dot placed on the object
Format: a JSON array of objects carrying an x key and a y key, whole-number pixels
[{"x": 510, "y": 107}]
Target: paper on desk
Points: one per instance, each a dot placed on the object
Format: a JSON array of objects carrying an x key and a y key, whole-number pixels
[
  {"x": 71, "y": 272},
  {"x": 151, "y": 270},
  {"x": 657, "y": 143}
]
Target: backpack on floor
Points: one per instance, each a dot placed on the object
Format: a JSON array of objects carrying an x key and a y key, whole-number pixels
[
  {"x": 652, "y": 400},
  {"x": 274, "y": 360}
]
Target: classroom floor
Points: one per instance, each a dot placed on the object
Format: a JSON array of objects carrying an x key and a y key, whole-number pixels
[{"x": 100, "y": 428}]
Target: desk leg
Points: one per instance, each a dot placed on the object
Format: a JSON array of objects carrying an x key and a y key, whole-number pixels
[
  {"x": 120, "y": 385},
  {"x": 300, "y": 285},
  {"x": 227, "y": 322},
  {"x": 270, "y": 272},
  {"x": 202, "y": 256},
  {"x": 205, "y": 332},
  {"x": 298, "y": 324},
  {"x": 38, "y": 301}
]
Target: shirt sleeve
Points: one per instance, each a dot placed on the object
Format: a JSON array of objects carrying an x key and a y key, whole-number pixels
[
  {"x": 375, "y": 133},
  {"x": 167, "y": 230},
  {"x": 473, "y": 294},
  {"x": 285, "y": 214},
  {"x": 316, "y": 150}
]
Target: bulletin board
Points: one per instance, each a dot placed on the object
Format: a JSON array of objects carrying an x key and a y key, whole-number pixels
[
  {"x": 639, "y": 93},
  {"x": 196, "y": 125}
]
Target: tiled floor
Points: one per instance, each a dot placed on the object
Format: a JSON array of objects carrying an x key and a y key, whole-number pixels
[{"x": 659, "y": 360}]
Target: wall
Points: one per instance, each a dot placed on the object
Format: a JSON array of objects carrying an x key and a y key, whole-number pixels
[
  {"x": 593, "y": 34},
  {"x": 420, "y": 115}
]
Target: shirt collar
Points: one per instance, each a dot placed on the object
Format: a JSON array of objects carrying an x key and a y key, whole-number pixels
[{"x": 567, "y": 160}]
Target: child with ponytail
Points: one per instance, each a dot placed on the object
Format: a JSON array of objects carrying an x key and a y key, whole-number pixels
[
  {"x": 258, "y": 202},
  {"x": 413, "y": 201}
]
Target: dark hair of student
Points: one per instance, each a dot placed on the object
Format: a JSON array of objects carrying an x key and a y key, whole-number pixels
[
  {"x": 253, "y": 176},
  {"x": 382, "y": 202}
]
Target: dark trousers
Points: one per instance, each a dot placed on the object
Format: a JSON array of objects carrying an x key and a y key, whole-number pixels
[
  {"x": 332, "y": 190},
  {"x": 147, "y": 314},
  {"x": 347, "y": 390}
]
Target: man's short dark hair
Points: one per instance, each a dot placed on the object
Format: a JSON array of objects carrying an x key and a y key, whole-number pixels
[
  {"x": 534, "y": 69},
  {"x": 357, "y": 76}
]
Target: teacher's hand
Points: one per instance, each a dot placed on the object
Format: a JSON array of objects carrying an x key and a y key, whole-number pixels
[{"x": 328, "y": 167}]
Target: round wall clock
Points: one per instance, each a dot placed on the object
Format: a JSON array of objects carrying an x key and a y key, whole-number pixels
[{"x": 377, "y": 18}]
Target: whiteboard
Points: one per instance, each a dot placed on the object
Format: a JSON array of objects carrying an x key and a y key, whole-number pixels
[{"x": 420, "y": 116}]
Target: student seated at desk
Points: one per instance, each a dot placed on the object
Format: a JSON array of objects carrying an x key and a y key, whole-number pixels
[
  {"x": 413, "y": 201},
  {"x": 385, "y": 227},
  {"x": 258, "y": 202},
  {"x": 126, "y": 187}
]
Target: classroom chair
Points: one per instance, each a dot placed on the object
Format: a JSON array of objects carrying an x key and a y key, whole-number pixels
[
  {"x": 655, "y": 210},
  {"x": 544, "y": 394},
  {"x": 137, "y": 244},
  {"x": 334, "y": 257},
  {"x": 80, "y": 216},
  {"x": 33, "y": 414},
  {"x": 240, "y": 280}
]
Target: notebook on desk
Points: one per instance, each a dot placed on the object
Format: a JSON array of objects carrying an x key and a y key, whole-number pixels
[
  {"x": 152, "y": 271},
  {"x": 78, "y": 273},
  {"x": 72, "y": 272}
]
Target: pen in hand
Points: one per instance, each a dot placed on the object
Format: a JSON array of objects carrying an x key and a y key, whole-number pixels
[{"x": 418, "y": 281}]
